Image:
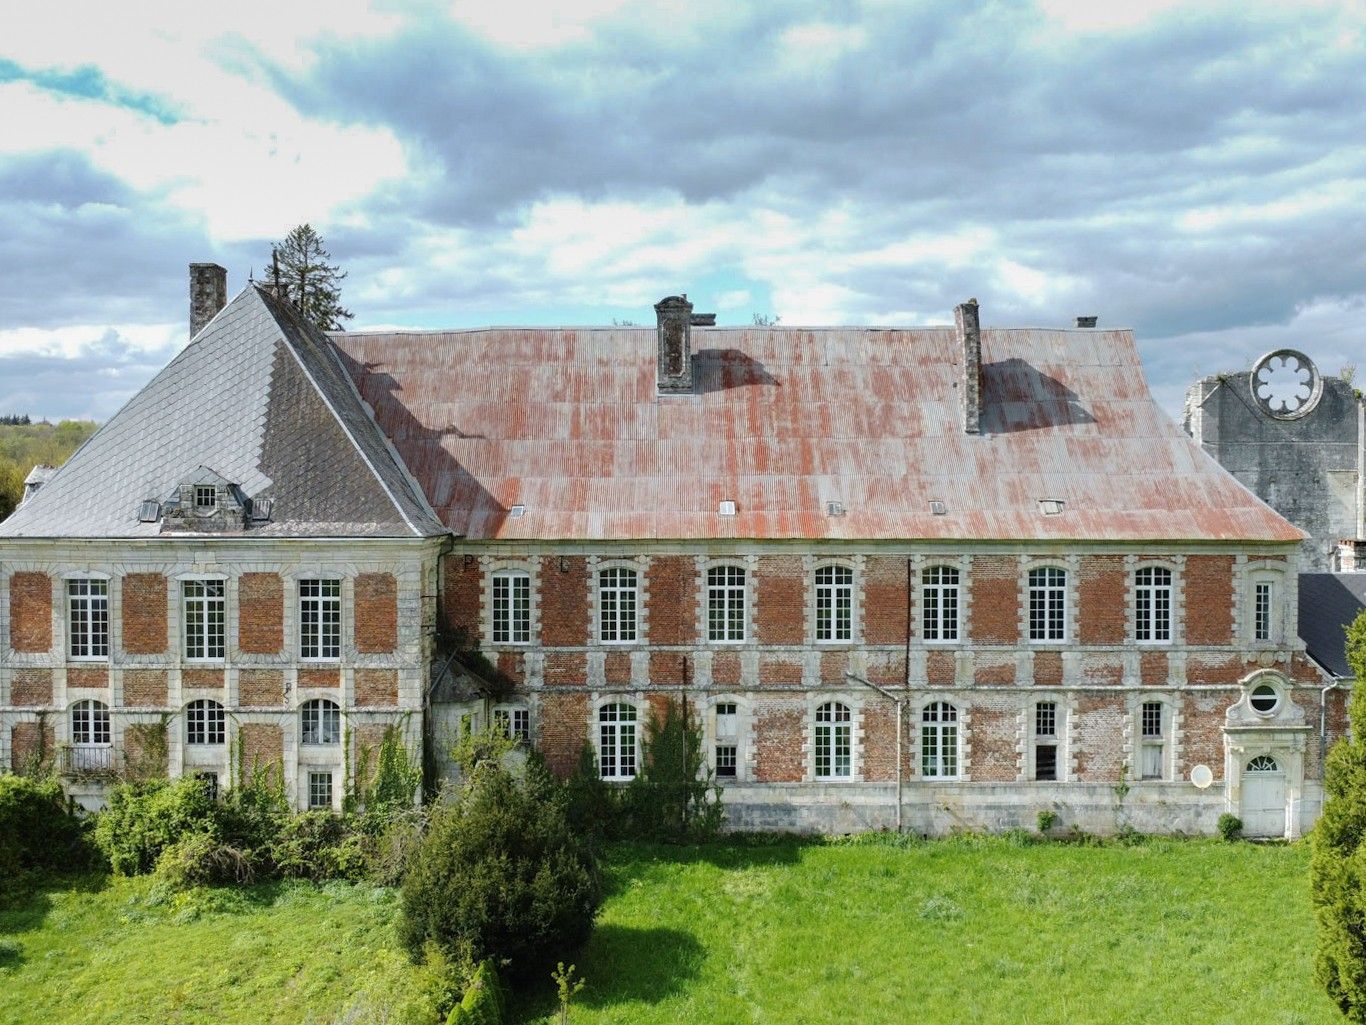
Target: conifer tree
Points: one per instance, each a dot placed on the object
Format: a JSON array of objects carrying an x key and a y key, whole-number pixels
[{"x": 309, "y": 279}]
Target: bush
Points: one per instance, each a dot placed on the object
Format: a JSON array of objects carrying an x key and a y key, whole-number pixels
[
  {"x": 1047, "y": 820},
  {"x": 37, "y": 828},
  {"x": 200, "y": 859},
  {"x": 482, "y": 1003},
  {"x": 1229, "y": 826},
  {"x": 590, "y": 802},
  {"x": 673, "y": 797},
  {"x": 143, "y": 819},
  {"x": 397, "y": 838},
  {"x": 319, "y": 845},
  {"x": 501, "y": 874}
]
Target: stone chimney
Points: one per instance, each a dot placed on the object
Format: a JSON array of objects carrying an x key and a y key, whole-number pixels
[
  {"x": 1087, "y": 321},
  {"x": 969, "y": 333},
  {"x": 674, "y": 315},
  {"x": 208, "y": 294}
]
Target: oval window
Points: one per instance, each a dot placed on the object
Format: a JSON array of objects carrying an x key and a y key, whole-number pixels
[{"x": 1265, "y": 699}]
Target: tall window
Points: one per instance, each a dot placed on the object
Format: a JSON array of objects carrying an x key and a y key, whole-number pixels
[
  {"x": 1046, "y": 740},
  {"x": 1153, "y": 604},
  {"x": 90, "y": 723},
  {"x": 204, "y": 616},
  {"x": 205, "y": 723},
  {"x": 727, "y": 740},
  {"x": 1261, "y": 610},
  {"x": 939, "y": 740},
  {"x": 1153, "y": 740},
  {"x": 511, "y": 607},
  {"x": 617, "y": 741},
  {"x": 1048, "y": 604},
  {"x": 725, "y": 603},
  {"x": 939, "y": 603},
  {"x": 321, "y": 722},
  {"x": 617, "y": 604},
  {"x": 319, "y": 791},
  {"x": 87, "y": 605},
  {"x": 834, "y": 741},
  {"x": 320, "y": 620},
  {"x": 513, "y": 722},
  {"x": 834, "y": 603}
]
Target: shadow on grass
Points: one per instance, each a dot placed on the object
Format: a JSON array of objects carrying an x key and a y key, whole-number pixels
[
  {"x": 625, "y": 862},
  {"x": 26, "y": 902}
]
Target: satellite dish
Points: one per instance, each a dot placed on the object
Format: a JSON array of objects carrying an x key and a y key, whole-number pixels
[{"x": 1201, "y": 776}]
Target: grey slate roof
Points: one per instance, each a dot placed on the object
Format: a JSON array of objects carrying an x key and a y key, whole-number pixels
[
  {"x": 1328, "y": 603},
  {"x": 259, "y": 396}
]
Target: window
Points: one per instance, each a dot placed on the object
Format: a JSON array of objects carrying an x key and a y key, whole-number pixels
[
  {"x": 210, "y": 783},
  {"x": 1264, "y": 699},
  {"x": 205, "y": 498},
  {"x": 320, "y": 620},
  {"x": 939, "y": 603},
  {"x": 321, "y": 722},
  {"x": 834, "y": 741},
  {"x": 205, "y": 723},
  {"x": 1153, "y": 739},
  {"x": 617, "y": 603},
  {"x": 1048, "y": 604},
  {"x": 90, "y": 723},
  {"x": 513, "y": 723},
  {"x": 1153, "y": 605},
  {"x": 512, "y": 608},
  {"x": 939, "y": 740},
  {"x": 1046, "y": 740},
  {"x": 1261, "y": 610},
  {"x": 834, "y": 603},
  {"x": 204, "y": 617},
  {"x": 617, "y": 741},
  {"x": 727, "y": 736},
  {"x": 87, "y": 604},
  {"x": 725, "y": 603},
  {"x": 319, "y": 791}
]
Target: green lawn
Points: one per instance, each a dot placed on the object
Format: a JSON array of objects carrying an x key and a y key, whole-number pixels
[{"x": 784, "y": 932}]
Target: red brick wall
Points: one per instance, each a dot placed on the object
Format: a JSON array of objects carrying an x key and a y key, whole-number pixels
[
  {"x": 1209, "y": 599},
  {"x": 1098, "y": 727},
  {"x": 780, "y": 670},
  {"x": 32, "y": 746},
  {"x": 673, "y": 600},
  {"x": 376, "y": 612},
  {"x": 1102, "y": 590},
  {"x": 329, "y": 677},
  {"x": 564, "y": 601},
  {"x": 667, "y": 668},
  {"x": 31, "y": 688},
  {"x": 1153, "y": 668},
  {"x": 940, "y": 667},
  {"x": 563, "y": 728},
  {"x": 617, "y": 667},
  {"x": 780, "y": 604},
  {"x": 995, "y": 600},
  {"x": 1202, "y": 727},
  {"x": 209, "y": 678},
  {"x": 144, "y": 750},
  {"x": 144, "y": 688},
  {"x": 377, "y": 688},
  {"x": 461, "y": 583},
  {"x": 261, "y": 687},
  {"x": 87, "y": 676},
  {"x": 879, "y": 742},
  {"x": 884, "y": 600},
  {"x": 1048, "y": 668},
  {"x": 262, "y": 744},
  {"x": 725, "y": 668},
  {"x": 566, "y": 669},
  {"x": 779, "y": 730},
  {"x": 144, "y": 614},
  {"x": 992, "y": 733},
  {"x": 261, "y": 613},
  {"x": 30, "y": 612}
]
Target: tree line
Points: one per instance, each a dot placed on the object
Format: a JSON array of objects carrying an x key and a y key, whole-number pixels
[{"x": 24, "y": 445}]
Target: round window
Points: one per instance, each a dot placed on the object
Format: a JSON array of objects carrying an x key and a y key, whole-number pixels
[{"x": 1265, "y": 699}]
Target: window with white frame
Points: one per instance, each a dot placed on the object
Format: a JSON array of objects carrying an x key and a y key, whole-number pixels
[
  {"x": 939, "y": 603},
  {"x": 1046, "y": 740},
  {"x": 834, "y": 741},
  {"x": 204, "y": 612},
  {"x": 1153, "y": 740},
  {"x": 725, "y": 603},
  {"x": 320, "y": 791},
  {"x": 834, "y": 603},
  {"x": 726, "y": 753},
  {"x": 87, "y": 619},
  {"x": 1263, "y": 611},
  {"x": 939, "y": 740},
  {"x": 90, "y": 723},
  {"x": 205, "y": 722},
  {"x": 513, "y": 722},
  {"x": 320, "y": 617},
  {"x": 320, "y": 722},
  {"x": 1048, "y": 604},
  {"x": 617, "y": 741},
  {"x": 210, "y": 781},
  {"x": 1153, "y": 605},
  {"x": 511, "y": 607},
  {"x": 618, "y": 602}
]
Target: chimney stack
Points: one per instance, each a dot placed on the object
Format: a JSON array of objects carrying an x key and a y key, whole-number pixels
[
  {"x": 674, "y": 315},
  {"x": 208, "y": 294},
  {"x": 969, "y": 333},
  {"x": 1086, "y": 322}
]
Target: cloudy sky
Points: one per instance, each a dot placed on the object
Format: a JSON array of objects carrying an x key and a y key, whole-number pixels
[{"x": 1194, "y": 171}]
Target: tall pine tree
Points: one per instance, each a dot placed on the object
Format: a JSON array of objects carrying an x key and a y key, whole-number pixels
[{"x": 309, "y": 279}]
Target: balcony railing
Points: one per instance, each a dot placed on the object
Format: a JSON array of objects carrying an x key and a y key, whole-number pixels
[{"x": 87, "y": 760}]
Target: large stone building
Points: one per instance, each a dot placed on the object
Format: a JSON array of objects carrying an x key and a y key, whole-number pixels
[{"x": 935, "y": 577}]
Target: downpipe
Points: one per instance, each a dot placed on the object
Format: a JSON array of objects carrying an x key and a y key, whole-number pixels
[{"x": 897, "y": 702}]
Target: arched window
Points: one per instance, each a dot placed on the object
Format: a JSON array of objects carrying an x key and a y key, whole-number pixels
[
  {"x": 939, "y": 740},
  {"x": 725, "y": 603},
  {"x": 205, "y": 722},
  {"x": 834, "y": 741},
  {"x": 617, "y": 603},
  {"x": 1048, "y": 604},
  {"x": 321, "y": 721},
  {"x": 617, "y": 741},
  {"x": 90, "y": 723},
  {"x": 834, "y": 603},
  {"x": 939, "y": 603},
  {"x": 1153, "y": 604},
  {"x": 1263, "y": 763}
]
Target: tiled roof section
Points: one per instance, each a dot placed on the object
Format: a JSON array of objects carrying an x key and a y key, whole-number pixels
[
  {"x": 568, "y": 423},
  {"x": 258, "y": 399},
  {"x": 1328, "y": 603}
]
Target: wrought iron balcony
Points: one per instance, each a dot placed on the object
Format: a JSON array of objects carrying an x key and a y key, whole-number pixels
[{"x": 87, "y": 759}]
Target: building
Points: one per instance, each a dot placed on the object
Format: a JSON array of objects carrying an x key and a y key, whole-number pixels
[{"x": 933, "y": 578}]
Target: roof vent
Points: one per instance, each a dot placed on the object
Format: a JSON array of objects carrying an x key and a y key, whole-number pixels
[
  {"x": 938, "y": 508},
  {"x": 260, "y": 509},
  {"x": 517, "y": 512},
  {"x": 834, "y": 508},
  {"x": 149, "y": 511},
  {"x": 1086, "y": 321},
  {"x": 1051, "y": 506},
  {"x": 726, "y": 508}
]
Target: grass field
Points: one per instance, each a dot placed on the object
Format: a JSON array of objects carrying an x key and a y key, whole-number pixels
[{"x": 783, "y": 932}]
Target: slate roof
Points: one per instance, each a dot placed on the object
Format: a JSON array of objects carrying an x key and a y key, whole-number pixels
[
  {"x": 259, "y": 396},
  {"x": 568, "y": 423},
  {"x": 1328, "y": 603}
]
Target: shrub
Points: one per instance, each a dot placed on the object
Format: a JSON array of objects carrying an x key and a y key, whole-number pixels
[
  {"x": 590, "y": 802},
  {"x": 37, "y": 828},
  {"x": 1229, "y": 826},
  {"x": 252, "y": 813},
  {"x": 143, "y": 819},
  {"x": 482, "y": 1003},
  {"x": 319, "y": 845},
  {"x": 673, "y": 797},
  {"x": 397, "y": 776},
  {"x": 396, "y": 839},
  {"x": 501, "y": 874},
  {"x": 200, "y": 859},
  {"x": 1047, "y": 820}
]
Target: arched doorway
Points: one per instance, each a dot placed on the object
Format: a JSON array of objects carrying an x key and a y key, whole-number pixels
[{"x": 1263, "y": 797}]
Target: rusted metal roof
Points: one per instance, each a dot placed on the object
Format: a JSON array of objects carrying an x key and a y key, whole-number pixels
[{"x": 567, "y": 422}]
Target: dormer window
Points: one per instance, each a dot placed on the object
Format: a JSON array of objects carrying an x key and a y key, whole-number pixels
[{"x": 205, "y": 498}]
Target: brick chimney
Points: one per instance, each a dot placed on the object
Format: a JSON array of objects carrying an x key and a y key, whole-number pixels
[
  {"x": 208, "y": 294},
  {"x": 674, "y": 315},
  {"x": 969, "y": 333},
  {"x": 1351, "y": 556}
]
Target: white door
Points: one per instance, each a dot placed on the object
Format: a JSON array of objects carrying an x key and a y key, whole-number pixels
[{"x": 1263, "y": 811}]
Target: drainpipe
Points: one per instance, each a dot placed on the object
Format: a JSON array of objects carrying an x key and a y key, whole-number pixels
[
  {"x": 898, "y": 703},
  {"x": 1323, "y": 726}
]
